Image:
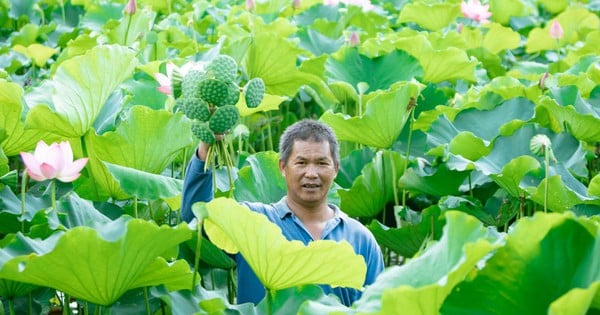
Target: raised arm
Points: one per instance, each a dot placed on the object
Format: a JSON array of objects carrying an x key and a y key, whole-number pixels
[{"x": 197, "y": 184}]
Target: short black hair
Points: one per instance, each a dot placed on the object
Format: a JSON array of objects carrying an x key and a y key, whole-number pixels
[{"x": 308, "y": 130}]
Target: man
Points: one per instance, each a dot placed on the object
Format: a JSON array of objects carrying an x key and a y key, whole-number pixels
[{"x": 309, "y": 162}]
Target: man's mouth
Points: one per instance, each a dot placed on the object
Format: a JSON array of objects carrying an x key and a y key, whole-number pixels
[{"x": 311, "y": 185}]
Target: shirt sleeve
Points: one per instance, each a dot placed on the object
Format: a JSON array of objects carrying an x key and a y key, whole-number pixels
[
  {"x": 197, "y": 186},
  {"x": 374, "y": 260}
]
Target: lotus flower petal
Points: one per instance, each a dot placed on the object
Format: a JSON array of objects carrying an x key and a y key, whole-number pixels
[
  {"x": 473, "y": 9},
  {"x": 53, "y": 162}
]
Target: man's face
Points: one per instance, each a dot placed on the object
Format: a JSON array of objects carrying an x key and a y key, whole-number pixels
[{"x": 309, "y": 172}]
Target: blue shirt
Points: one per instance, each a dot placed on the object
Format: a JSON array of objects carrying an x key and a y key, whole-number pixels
[{"x": 198, "y": 187}]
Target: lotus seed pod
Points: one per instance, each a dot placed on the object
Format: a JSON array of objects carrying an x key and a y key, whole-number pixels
[
  {"x": 223, "y": 119},
  {"x": 202, "y": 132},
  {"x": 194, "y": 108},
  {"x": 213, "y": 91},
  {"x": 223, "y": 68},
  {"x": 254, "y": 92},
  {"x": 539, "y": 144},
  {"x": 190, "y": 82},
  {"x": 234, "y": 94}
]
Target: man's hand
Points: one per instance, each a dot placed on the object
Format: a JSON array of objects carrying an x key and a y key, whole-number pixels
[{"x": 202, "y": 150}]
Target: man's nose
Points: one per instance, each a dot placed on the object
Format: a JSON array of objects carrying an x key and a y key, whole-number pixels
[{"x": 311, "y": 171}]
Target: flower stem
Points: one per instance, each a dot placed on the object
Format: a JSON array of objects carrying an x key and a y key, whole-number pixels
[
  {"x": 408, "y": 143},
  {"x": 53, "y": 193},
  {"x": 547, "y": 161},
  {"x": 135, "y": 207},
  {"x": 127, "y": 30},
  {"x": 23, "y": 189},
  {"x": 11, "y": 306}
]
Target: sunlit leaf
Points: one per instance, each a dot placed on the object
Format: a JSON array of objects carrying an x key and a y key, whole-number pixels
[
  {"x": 261, "y": 180},
  {"x": 379, "y": 73},
  {"x": 100, "y": 264},
  {"x": 82, "y": 86},
  {"x": 373, "y": 189},
  {"x": 36, "y": 52},
  {"x": 431, "y": 16},
  {"x": 145, "y": 185},
  {"x": 382, "y": 122},
  {"x": 528, "y": 264},
  {"x": 277, "y": 262}
]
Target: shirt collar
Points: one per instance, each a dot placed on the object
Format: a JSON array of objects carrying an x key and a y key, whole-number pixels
[{"x": 283, "y": 210}]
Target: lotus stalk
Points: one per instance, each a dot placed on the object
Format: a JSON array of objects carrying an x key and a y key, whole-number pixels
[{"x": 541, "y": 145}]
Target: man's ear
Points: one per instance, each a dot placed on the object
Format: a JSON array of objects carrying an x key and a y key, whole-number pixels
[{"x": 282, "y": 168}]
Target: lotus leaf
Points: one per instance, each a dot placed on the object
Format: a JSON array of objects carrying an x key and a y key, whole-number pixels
[{"x": 277, "y": 262}]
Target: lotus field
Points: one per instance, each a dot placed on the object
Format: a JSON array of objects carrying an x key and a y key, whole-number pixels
[{"x": 470, "y": 148}]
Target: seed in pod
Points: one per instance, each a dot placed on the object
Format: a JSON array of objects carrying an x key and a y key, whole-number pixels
[
  {"x": 254, "y": 92},
  {"x": 194, "y": 108},
  {"x": 234, "y": 94},
  {"x": 213, "y": 91},
  {"x": 190, "y": 82},
  {"x": 223, "y": 68},
  {"x": 223, "y": 119},
  {"x": 201, "y": 131}
]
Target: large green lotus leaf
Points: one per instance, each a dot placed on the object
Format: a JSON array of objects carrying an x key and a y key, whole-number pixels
[
  {"x": 273, "y": 58},
  {"x": 564, "y": 147},
  {"x": 536, "y": 251},
  {"x": 148, "y": 140},
  {"x": 382, "y": 121},
  {"x": 408, "y": 239},
  {"x": 379, "y": 73},
  {"x": 588, "y": 48},
  {"x": 82, "y": 85},
  {"x": 582, "y": 126},
  {"x": 433, "y": 16},
  {"x": 100, "y": 264},
  {"x": 564, "y": 191},
  {"x": 554, "y": 6},
  {"x": 11, "y": 289},
  {"x": 318, "y": 43},
  {"x": 17, "y": 138},
  {"x": 132, "y": 27},
  {"x": 594, "y": 187},
  {"x": 277, "y": 262},
  {"x": 504, "y": 10},
  {"x": 511, "y": 174},
  {"x": 260, "y": 180},
  {"x": 74, "y": 211},
  {"x": 373, "y": 189},
  {"x": 292, "y": 300},
  {"x": 576, "y": 22},
  {"x": 145, "y": 185},
  {"x": 577, "y": 301},
  {"x": 421, "y": 285},
  {"x": 201, "y": 301},
  {"x": 440, "y": 181},
  {"x": 269, "y": 102},
  {"x": 351, "y": 166},
  {"x": 499, "y": 38},
  {"x": 448, "y": 64}
]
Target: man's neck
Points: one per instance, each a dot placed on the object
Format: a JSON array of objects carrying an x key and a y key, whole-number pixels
[{"x": 311, "y": 213}]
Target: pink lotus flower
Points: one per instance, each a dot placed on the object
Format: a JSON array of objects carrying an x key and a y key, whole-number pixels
[
  {"x": 166, "y": 81},
  {"x": 556, "y": 30},
  {"x": 53, "y": 162},
  {"x": 131, "y": 7},
  {"x": 474, "y": 10},
  {"x": 296, "y": 4}
]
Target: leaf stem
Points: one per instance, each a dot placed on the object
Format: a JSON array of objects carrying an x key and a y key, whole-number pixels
[
  {"x": 408, "y": 143},
  {"x": 53, "y": 193},
  {"x": 197, "y": 254},
  {"x": 547, "y": 169},
  {"x": 135, "y": 207},
  {"x": 147, "y": 301}
]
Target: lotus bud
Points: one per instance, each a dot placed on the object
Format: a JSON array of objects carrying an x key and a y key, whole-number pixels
[
  {"x": 556, "y": 30},
  {"x": 542, "y": 83},
  {"x": 131, "y": 7},
  {"x": 250, "y": 5},
  {"x": 296, "y": 4},
  {"x": 354, "y": 39}
]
